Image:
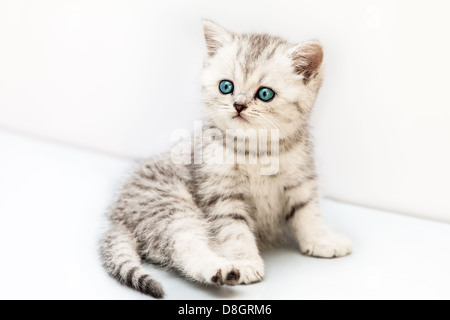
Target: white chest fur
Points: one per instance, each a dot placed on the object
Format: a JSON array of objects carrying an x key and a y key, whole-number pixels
[{"x": 270, "y": 204}]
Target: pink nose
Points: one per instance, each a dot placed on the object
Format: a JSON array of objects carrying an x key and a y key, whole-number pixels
[{"x": 239, "y": 107}]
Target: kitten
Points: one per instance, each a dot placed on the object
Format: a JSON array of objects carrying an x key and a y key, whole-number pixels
[{"x": 209, "y": 221}]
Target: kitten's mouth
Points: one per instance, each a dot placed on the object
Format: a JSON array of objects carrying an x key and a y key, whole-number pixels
[{"x": 239, "y": 117}]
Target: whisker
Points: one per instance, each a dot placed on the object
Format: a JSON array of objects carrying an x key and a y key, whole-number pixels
[{"x": 265, "y": 120}]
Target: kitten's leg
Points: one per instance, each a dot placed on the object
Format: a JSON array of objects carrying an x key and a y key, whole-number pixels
[
  {"x": 192, "y": 254},
  {"x": 235, "y": 241},
  {"x": 232, "y": 228},
  {"x": 224, "y": 197},
  {"x": 177, "y": 236},
  {"x": 168, "y": 225},
  {"x": 314, "y": 237}
]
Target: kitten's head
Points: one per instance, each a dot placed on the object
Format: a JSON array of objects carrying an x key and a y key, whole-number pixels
[{"x": 259, "y": 81}]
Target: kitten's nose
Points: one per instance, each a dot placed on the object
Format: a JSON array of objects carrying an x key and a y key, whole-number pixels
[{"x": 239, "y": 107}]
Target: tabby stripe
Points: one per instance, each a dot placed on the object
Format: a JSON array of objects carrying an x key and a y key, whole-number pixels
[
  {"x": 145, "y": 176},
  {"x": 168, "y": 213},
  {"x": 271, "y": 53},
  {"x": 311, "y": 177},
  {"x": 233, "y": 147},
  {"x": 289, "y": 143},
  {"x": 164, "y": 206},
  {"x": 141, "y": 186},
  {"x": 234, "y": 216},
  {"x": 297, "y": 185},
  {"x": 292, "y": 186},
  {"x": 299, "y": 108},
  {"x": 141, "y": 281},
  {"x": 153, "y": 188},
  {"x": 297, "y": 207},
  {"x": 118, "y": 268},
  {"x": 130, "y": 275},
  {"x": 112, "y": 242},
  {"x": 212, "y": 201}
]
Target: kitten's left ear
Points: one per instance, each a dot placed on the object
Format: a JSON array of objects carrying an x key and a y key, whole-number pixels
[
  {"x": 307, "y": 58},
  {"x": 215, "y": 36}
]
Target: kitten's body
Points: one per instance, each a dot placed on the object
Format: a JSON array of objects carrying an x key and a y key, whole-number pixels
[{"x": 209, "y": 221}]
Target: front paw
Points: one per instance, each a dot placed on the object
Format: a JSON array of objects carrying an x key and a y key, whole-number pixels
[
  {"x": 251, "y": 271},
  {"x": 325, "y": 244},
  {"x": 218, "y": 272}
]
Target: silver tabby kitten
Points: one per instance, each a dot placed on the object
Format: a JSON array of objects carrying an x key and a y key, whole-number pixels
[{"x": 209, "y": 221}]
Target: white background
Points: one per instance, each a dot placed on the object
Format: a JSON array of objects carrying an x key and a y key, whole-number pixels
[{"x": 121, "y": 76}]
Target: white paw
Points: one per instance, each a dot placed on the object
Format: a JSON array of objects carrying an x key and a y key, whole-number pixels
[
  {"x": 251, "y": 271},
  {"x": 325, "y": 244}
]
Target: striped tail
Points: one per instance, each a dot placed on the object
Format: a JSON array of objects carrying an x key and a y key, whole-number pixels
[{"x": 123, "y": 263}]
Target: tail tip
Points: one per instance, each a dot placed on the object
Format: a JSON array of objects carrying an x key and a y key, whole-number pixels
[{"x": 153, "y": 288}]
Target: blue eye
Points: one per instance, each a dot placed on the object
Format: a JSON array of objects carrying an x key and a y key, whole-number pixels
[
  {"x": 226, "y": 87},
  {"x": 265, "y": 94}
]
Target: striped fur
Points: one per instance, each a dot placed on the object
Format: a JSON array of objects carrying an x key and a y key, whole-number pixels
[{"x": 209, "y": 221}]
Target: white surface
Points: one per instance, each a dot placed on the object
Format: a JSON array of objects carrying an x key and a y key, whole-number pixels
[
  {"x": 121, "y": 76},
  {"x": 52, "y": 205}
]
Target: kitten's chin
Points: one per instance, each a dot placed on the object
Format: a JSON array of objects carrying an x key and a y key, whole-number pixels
[
  {"x": 240, "y": 119},
  {"x": 239, "y": 122},
  {"x": 234, "y": 122}
]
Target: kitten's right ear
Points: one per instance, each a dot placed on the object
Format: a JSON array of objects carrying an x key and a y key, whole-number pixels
[
  {"x": 215, "y": 36},
  {"x": 308, "y": 57}
]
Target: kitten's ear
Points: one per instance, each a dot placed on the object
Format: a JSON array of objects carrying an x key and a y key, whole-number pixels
[
  {"x": 215, "y": 36},
  {"x": 307, "y": 58}
]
